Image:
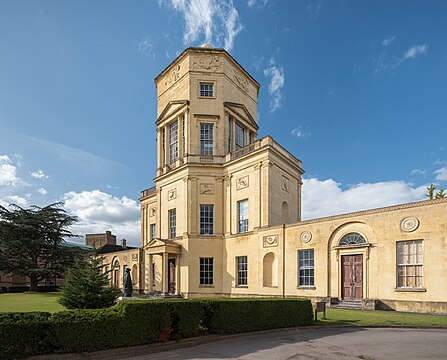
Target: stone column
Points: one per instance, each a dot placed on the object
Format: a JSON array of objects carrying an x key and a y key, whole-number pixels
[
  {"x": 167, "y": 160},
  {"x": 177, "y": 275},
  {"x": 164, "y": 276},
  {"x": 150, "y": 276},
  {"x": 160, "y": 149},
  {"x": 233, "y": 138}
]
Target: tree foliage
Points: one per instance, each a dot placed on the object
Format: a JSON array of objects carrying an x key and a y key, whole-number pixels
[
  {"x": 431, "y": 194},
  {"x": 31, "y": 239},
  {"x": 86, "y": 285}
]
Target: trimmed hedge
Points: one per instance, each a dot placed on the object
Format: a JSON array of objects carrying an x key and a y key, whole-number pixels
[{"x": 143, "y": 322}]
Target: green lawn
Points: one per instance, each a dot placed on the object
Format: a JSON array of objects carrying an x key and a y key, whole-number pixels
[
  {"x": 25, "y": 302},
  {"x": 379, "y": 318}
]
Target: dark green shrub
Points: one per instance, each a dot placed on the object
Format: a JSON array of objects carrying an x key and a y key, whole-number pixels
[
  {"x": 187, "y": 318},
  {"x": 23, "y": 334},
  {"x": 232, "y": 316}
]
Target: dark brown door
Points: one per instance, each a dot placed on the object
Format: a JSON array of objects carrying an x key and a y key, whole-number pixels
[
  {"x": 352, "y": 277},
  {"x": 171, "y": 276}
]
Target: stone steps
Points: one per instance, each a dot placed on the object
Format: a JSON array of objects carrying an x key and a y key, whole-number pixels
[{"x": 348, "y": 304}]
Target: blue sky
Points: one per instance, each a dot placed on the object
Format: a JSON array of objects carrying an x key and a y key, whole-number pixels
[{"x": 358, "y": 89}]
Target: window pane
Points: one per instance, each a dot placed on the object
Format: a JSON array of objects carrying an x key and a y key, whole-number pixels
[
  {"x": 306, "y": 267},
  {"x": 206, "y": 271},
  {"x": 240, "y": 136},
  {"x": 173, "y": 142},
  {"x": 207, "y": 89},
  {"x": 206, "y": 219},
  {"x": 243, "y": 216},
  {"x": 206, "y": 139},
  {"x": 410, "y": 257},
  {"x": 172, "y": 223}
]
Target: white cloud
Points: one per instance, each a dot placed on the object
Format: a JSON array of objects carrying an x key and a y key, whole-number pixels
[
  {"x": 257, "y": 3},
  {"x": 414, "y": 51},
  {"x": 8, "y": 173},
  {"x": 388, "y": 41},
  {"x": 42, "y": 191},
  {"x": 276, "y": 75},
  {"x": 326, "y": 197},
  {"x": 98, "y": 211},
  {"x": 145, "y": 46},
  {"x": 418, "y": 172},
  {"x": 441, "y": 174},
  {"x": 299, "y": 133},
  {"x": 313, "y": 10},
  {"x": 39, "y": 174},
  {"x": 215, "y": 21},
  {"x": 14, "y": 199}
]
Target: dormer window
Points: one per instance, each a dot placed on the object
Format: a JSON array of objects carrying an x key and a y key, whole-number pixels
[{"x": 206, "y": 89}]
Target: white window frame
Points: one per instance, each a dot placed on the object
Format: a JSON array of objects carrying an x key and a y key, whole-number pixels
[
  {"x": 405, "y": 262},
  {"x": 206, "y": 271},
  {"x": 242, "y": 216},
  {"x": 152, "y": 231},
  {"x": 207, "y": 89},
  {"x": 173, "y": 142},
  {"x": 206, "y": 219},
  {"x": 206, "y": 139},
  {"x": 242, "y": 271},
  {"x": 306, "y": 268},
  {"x": 172, "y": 215}
]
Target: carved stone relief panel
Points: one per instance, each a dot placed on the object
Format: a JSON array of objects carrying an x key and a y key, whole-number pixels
[
  {"x": 270, "y": 241},
  {"x": 152, "y": 211},
  {"x": 134, "y": 257},
  {"x": 241, "y": 81},
  {"x": 209, "y": 63},
  {"x": 172, "y": 76},
  {"x": 409, "y": 224},
  {"x": 207, "y": 189},
  {"x": 285, "y": 183},
  {"x": 242, "y": 183},
  {"x": 306, "y": 236},
  {"x": 172, "y": 194}
]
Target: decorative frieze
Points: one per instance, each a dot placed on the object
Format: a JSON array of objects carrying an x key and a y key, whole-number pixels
[
  {"x": 242, "y": 183},
  {"x": 409, "y": 224},
  {"x": 173, "y": 76},
  {"x": 270, "y": 241},
  {"x": 210, "y": 63},
  {"x": 172, "y": 194},
  {"x": 241, "y": 82},
  {"x": 207, "y": 189}
]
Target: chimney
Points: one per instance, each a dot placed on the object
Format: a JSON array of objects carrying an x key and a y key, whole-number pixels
[{"x": 123, "y": 243}]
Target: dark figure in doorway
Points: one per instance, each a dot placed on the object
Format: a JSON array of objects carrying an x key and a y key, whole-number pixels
[{"x": 127, "y": 284}]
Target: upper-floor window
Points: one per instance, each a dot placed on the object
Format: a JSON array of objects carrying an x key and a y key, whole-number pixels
[
  {"x": 163, "y": 147},
  {"x": 240, "y": 136},
  {"x": 206, "y": 89},
  {"x": 173, "y": 142},
  {"x": 152, "y": 231},
  {"x": 242, "y": 216},
  {"x": 206, "y": 219},
  {"x": 206, "y": 139},
  {"x": 410, "y": 263},
  {"x": 172, "y": 223}
]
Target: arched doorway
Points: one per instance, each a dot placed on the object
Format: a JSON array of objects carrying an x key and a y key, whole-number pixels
[{"x": 116, "y": 274}]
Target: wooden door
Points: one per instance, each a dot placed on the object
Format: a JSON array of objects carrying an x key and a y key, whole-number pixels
[
  {"x": 117, "y": 278},
  {"x": 171, "y": 276},
  {"x": 352, "y": 277}
]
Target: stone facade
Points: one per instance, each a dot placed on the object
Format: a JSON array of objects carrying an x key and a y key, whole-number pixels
[{"x": 224, "y": 216}]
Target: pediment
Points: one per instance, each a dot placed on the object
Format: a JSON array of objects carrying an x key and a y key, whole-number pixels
[
  {"x": 171, "y": 108},
  {"x": 242, "y": 111},
  {"x": 157, "y": 246}
]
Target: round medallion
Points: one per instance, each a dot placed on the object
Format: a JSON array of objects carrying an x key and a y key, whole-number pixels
[
  {"x": 409, "y": 224},
  {"x": 306, "y": 236}
]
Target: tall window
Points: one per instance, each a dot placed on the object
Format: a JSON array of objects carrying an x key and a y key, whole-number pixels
[
  {"x": 152, "y": 231},
  {"x": 172, "y": 223},
  {"x": 230, "y": 134},
  {"x": 410, "y": 262},
  {"x": 206, "y": 139},
  {"x": 206, "y": 219},
  {"x": 206, "y": 271},
  {"x": 206, "y": 89},
  {"x": 173, "y": 142},
  {"x": 306, "y": 267},
  {"x": 242, "y": 216},
  {"x": 240, "y": 136},
  {"x": 242, "y": 270}
]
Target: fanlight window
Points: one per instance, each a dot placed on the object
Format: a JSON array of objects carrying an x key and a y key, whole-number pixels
[
  {"x": 352, "y": 239},
  {"x": 117, "y": 264}
]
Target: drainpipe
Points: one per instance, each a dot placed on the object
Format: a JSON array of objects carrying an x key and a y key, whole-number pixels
[{"x": 283, "y": 260}]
